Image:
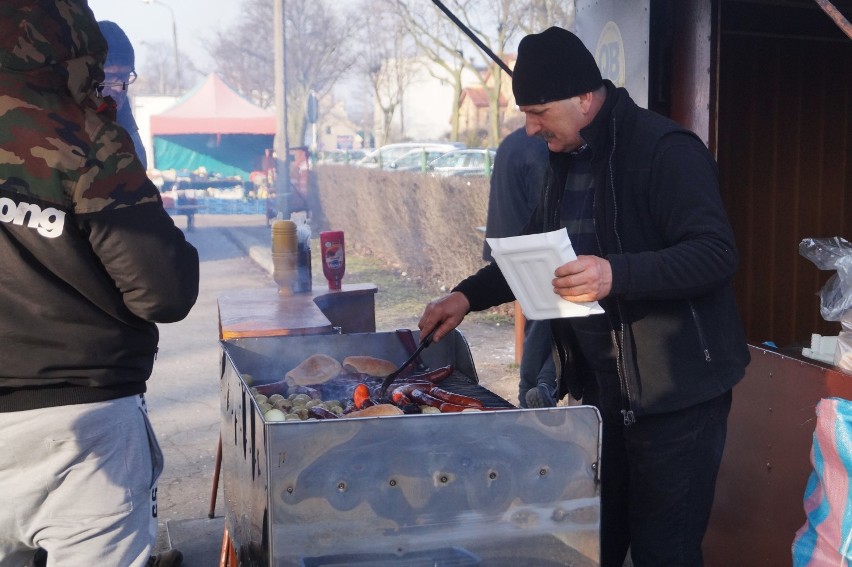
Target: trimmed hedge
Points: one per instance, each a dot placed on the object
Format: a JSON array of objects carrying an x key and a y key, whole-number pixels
[{"x": 426, "y": 226}]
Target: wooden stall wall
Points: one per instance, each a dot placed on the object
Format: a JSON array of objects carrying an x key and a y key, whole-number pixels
[
  {"x": 682, "y": 82},
  {"x": 785, "y": 157},
  {"x": 690, "y": 68}
]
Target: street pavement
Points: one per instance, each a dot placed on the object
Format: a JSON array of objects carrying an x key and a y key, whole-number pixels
[{"x": 183, "y": 392}]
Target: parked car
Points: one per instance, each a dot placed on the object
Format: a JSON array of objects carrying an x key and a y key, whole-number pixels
[
  {"x": 471, "y": 161},
  {"x": 388, "y": 154},
  {"x": 415, "y": 160},
  {"x": 340, "y": 157}
]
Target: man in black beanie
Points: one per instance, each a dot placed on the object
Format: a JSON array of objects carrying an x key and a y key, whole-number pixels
[{"x": 639, "y": 197}]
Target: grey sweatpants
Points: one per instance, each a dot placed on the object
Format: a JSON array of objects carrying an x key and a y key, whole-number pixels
[{"x": 79, "y": 481}]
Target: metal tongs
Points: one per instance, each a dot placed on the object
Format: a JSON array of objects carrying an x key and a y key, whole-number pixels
[{"x": 424, "y": 342}]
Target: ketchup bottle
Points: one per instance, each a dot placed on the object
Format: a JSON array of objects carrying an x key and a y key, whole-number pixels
[{"x": 333, "y": 254}]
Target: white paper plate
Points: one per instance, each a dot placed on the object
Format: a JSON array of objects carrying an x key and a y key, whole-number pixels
[{"x": 528, "y": 263}]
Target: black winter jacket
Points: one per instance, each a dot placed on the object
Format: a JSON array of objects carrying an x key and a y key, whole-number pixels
[
  {"x": 660, "y": 222},
  {"x": 89, "y": 259}
]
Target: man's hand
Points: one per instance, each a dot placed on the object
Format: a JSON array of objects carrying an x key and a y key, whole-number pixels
[
  {"x": 444, "y": 315},
  {"x": 588, "y": 278}
]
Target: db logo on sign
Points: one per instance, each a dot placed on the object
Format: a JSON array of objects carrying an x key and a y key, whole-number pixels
[{"x": 609, "y": 54}]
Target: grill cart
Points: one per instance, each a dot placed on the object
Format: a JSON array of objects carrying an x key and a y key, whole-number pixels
[{"x": 503, "y": 487}]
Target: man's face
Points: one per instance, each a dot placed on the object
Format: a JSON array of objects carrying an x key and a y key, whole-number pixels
[
  {"x": 117, "y": 79},
  {"x": 558, "y": 123}
]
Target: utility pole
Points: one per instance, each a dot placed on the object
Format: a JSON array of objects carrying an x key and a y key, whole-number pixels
[
  {"x": 312, "y": 113},
  {"x": 282, "y": 143}
]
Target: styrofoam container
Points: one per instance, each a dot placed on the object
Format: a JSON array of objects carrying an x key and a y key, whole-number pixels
[{"x": 528, "y": 263}]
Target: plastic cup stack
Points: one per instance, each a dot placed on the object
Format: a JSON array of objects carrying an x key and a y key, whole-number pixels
[{"x": 284, "y": 255}]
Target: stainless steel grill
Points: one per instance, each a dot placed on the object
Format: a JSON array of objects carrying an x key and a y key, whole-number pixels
[{"x": 494, "y": 488}]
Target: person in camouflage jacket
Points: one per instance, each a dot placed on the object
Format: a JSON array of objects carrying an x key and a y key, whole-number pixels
[{"x": 89, "y": 262}]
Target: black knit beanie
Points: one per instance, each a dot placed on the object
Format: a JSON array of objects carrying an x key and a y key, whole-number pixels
[
  {"x": 120, "y": 50},
  {"x": 553, "y": 65}
]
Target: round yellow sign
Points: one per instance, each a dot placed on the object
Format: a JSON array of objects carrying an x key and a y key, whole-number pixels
[{"x": 609, "y": 54}]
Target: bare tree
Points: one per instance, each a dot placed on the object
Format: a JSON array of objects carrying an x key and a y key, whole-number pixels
[
  {"x": 503, "y": 26},
  {"x": 439, "y": 41},
  {"x": 243, "y": 53},
  {"x": 499, "y": 24},
  {"x": 495, "y": 23},
  {"x": 384, "y": 58},
  {"x": 539, "y": 15},
  {"x": 159, "y": 76},
  {"x": 317, "y": 53}
]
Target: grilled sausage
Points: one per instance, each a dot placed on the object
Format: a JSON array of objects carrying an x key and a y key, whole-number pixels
[
  {"x": 401, "y": 395},
  {"x": 447, "y": 407},
  {"x": 457, "y": 399},
  {"x": 424, "y": 399},
  {"x": 360, "y": 396},
  {"x": 400, "y": 398},
  {"x": 433, "y": 376}
]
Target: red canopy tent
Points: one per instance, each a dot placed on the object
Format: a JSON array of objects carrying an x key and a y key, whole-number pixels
[{"x": 214, "y": 127}]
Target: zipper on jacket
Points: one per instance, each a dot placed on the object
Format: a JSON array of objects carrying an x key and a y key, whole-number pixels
[
  {"x": 618, "y": 338},
  {"x": 700, "y": 331},
  {"x": 611, "y": 184},
  {"x": 621, "y": 368}
]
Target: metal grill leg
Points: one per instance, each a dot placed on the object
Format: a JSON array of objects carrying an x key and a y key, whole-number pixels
[{"x": 216, "y": 468}]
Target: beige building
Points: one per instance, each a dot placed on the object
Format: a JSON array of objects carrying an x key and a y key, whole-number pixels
[{"x": 334, "y": 130}]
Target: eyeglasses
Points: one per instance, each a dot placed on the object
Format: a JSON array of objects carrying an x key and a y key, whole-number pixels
[{"x": 116, "y": 82}]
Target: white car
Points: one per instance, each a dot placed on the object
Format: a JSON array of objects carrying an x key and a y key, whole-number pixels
[
  {"x": 472, "y": 161},
  {"x": 415, "y": 160},
  {"x": 386, "y": 155},
  {"x": 340, "y": 157}
]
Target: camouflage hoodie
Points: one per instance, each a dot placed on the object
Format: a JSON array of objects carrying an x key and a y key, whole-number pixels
[{"x": 89, "y": 260}]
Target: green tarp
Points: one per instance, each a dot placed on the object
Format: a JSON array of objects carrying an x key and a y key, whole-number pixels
[{"x": 224, "y": 154}]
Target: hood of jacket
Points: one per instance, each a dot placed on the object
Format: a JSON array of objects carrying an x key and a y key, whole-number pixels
[{"x": 46, "y": 39}]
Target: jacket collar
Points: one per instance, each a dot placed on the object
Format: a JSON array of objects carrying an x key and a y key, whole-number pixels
[{"x": 596, "y": 134}]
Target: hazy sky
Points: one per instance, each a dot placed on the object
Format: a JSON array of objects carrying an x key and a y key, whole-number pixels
[{"x": 195, "y": 19}]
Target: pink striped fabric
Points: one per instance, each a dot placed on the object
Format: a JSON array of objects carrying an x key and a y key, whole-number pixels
[{"x": 826, "y": 537}]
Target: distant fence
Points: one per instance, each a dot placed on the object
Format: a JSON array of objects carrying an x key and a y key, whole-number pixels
[
  {"x": 213, "y": 206},
  {"x": 216, "y": 196}
]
